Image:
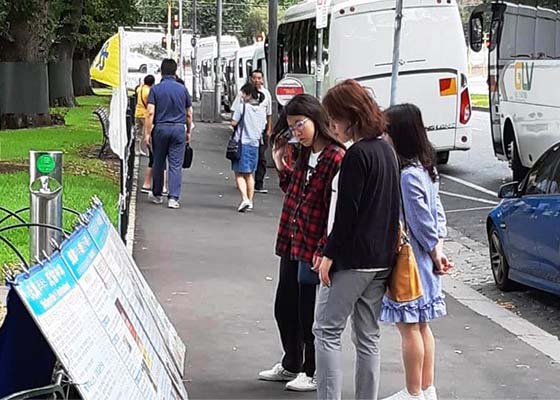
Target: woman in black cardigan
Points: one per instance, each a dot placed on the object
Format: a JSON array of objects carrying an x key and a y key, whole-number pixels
[{"x": 360, "y": 249}]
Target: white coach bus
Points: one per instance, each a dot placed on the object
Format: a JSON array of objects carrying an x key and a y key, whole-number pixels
[
  {"x": 358, "y": 44},
  {"x": 523, "y": 71}
]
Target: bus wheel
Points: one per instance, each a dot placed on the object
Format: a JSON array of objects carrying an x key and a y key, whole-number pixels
[
  {"x": 442, "y": 157},
  {"x": 519, "y": 171}
]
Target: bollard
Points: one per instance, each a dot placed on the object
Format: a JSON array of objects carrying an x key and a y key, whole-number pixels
[{"x": 45, "y": 197}]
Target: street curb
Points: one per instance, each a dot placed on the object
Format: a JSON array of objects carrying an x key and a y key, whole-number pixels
[
  {"x": 465, "y": 252},
  {"x": 482, "y": 109},
  {"x": 130, "y": 232}
]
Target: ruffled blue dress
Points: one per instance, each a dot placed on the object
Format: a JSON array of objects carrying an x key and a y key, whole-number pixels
[{"x": 427, "y": 224}]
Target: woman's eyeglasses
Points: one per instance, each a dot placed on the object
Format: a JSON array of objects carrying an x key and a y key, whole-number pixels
[{"x": 298, "y": 126}]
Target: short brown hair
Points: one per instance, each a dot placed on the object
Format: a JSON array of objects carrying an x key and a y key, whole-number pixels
[{"x": 350, "y": 101}]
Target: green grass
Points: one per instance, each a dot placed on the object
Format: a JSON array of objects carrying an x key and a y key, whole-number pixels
[
  {"x": 480, "y": 100},
  {"x": 84, "y": 175}
]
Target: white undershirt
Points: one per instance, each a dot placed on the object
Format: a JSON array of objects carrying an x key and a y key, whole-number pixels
[{"x": 311, "y": 164}]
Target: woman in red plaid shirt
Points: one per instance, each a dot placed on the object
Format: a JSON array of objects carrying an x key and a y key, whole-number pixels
[{"x": 301, "y": 233}]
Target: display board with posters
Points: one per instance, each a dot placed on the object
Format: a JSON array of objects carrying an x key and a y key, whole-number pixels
[{"x": 102, "y": 320}]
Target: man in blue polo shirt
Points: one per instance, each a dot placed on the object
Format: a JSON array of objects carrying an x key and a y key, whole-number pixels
[{"x": 170, "y": 115}]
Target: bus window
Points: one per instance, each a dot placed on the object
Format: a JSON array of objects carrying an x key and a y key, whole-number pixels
[
  {"x": 507, "y": 39},
  {"x": 260, "y": 65},
  {"x": 545, "y": 37},
  {"x": 311, "y": 47},
  {"x": 240, "y": 69},
  {"x": 557, "y": 53},
  {"x": 525, "y": 35},
  {"x": 249, "y": 67}
]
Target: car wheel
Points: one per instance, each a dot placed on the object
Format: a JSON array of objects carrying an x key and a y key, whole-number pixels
[
  {"x": 500, "y": 266},
  {"x": 519, "y": 171},
  {"x": 442, "y": 157}
]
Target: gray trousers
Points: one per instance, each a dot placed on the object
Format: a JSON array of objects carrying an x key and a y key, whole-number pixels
[{"x": 357, "y": 294}]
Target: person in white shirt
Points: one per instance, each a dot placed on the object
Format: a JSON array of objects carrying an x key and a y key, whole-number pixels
[
  {"x": 257, "y": 79},
  {"x": 250, "y": 120}
]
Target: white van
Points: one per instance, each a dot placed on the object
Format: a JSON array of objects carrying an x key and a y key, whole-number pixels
[{"x": 358, "y": 44}]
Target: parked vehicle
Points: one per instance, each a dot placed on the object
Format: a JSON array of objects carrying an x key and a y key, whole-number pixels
[
  {"x": 358, "y": 44},
  {"x": 524, "y": 229},
  {"x": 207, "y": 64},
  {"x": 523, "y": 66}
]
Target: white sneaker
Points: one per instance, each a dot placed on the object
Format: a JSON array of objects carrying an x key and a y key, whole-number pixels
[
  {"x": 155, "y": 199},
  {"x": 277, "y": 374},
  {"x": 250, "y": 208},
  {"x": 302, "y": 383},
  {"x": 430, "y": 393},
  {"x": 173, "y": 203},
  {"x": 404, "y": 395},
  {"x": 245, "y": 204}
]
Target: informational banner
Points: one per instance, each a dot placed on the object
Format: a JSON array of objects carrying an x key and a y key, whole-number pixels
[{"x": 102, "y": 320}]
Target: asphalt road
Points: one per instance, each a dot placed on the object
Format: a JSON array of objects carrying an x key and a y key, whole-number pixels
[{"x": 468, "y": 215}]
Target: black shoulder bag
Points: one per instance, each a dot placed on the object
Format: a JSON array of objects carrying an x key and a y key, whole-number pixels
[{"x": 233, "y": 149}]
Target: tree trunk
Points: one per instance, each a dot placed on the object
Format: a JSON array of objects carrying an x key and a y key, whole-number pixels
[
  {"x": 61, "y": 88},
  {"x": 80, "y": 76},
  {"x": 23, "y": 67}
]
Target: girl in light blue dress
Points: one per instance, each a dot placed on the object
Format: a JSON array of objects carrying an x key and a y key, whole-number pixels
[{"x": 427, "y": 228}]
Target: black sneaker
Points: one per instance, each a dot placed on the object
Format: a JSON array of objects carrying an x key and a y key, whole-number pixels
[{"x": 261, "y": 191}]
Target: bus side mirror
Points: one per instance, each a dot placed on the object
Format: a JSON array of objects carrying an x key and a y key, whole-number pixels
[{"x": 475, "y": 32}]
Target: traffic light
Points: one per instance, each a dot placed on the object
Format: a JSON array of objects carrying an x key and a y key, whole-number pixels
[
  {"x": 176, "y": 21},
  {"x": 164, "y": 42}
]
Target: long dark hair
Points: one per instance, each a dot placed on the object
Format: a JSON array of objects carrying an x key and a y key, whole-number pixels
[
  {"x": 350, "y": 101},
  {"x": 407, "y": 132}
]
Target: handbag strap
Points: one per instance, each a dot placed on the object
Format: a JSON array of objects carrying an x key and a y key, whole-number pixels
[
  {"x": 240, "y": 125},
  {"x": 405, "y": 227}
]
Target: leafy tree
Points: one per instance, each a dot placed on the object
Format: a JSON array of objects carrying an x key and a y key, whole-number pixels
[{"x": 101, "y": 19}]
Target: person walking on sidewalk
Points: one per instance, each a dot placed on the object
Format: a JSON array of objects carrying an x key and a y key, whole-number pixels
[
  {"x": 257, "y": 78},
  {"x": 303, "y": 223},
  {"x": 170, "y": 115},
  {"x": 360, "y": 250},
  {"x": 426, "y": 221},
  {"x": 142, "y": 92},
  {"x": 250, "y": 120}
]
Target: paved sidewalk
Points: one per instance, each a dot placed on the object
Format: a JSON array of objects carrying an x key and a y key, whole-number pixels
[{"x": 215, "y": 272}]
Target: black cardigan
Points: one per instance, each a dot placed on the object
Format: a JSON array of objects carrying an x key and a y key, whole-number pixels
[{"x": 365, "y": 228}]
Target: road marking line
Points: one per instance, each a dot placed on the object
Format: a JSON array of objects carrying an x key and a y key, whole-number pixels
[
  {"x": 468, "y": 209},
  {"x": 465, "y": 197},
  {"x": 527, "y": 332},
  {"x": 469, "y": 184}
]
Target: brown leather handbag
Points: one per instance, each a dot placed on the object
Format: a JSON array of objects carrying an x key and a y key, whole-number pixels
[{"x": 404, "y": 282}]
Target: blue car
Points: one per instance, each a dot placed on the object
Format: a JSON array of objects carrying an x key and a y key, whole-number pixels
[{"x": 524, "y": 229}]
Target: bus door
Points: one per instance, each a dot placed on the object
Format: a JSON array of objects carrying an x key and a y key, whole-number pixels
[{"x": 495, "y": 69}]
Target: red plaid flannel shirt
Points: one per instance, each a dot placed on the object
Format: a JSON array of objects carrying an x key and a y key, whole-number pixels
[{"x": 303, "y": 223}]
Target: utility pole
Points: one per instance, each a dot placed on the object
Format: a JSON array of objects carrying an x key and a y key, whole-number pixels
[
  {"x": 396, "y": 52},
  {"x": 194, "y": 58},
  {"x": 218, "y": 88},
  {"x": 168, "y": 44},
  {"x": 319, "y": 74},
  {"x": 180, "y": 41},
  {"x": 273, "y": 54}
]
